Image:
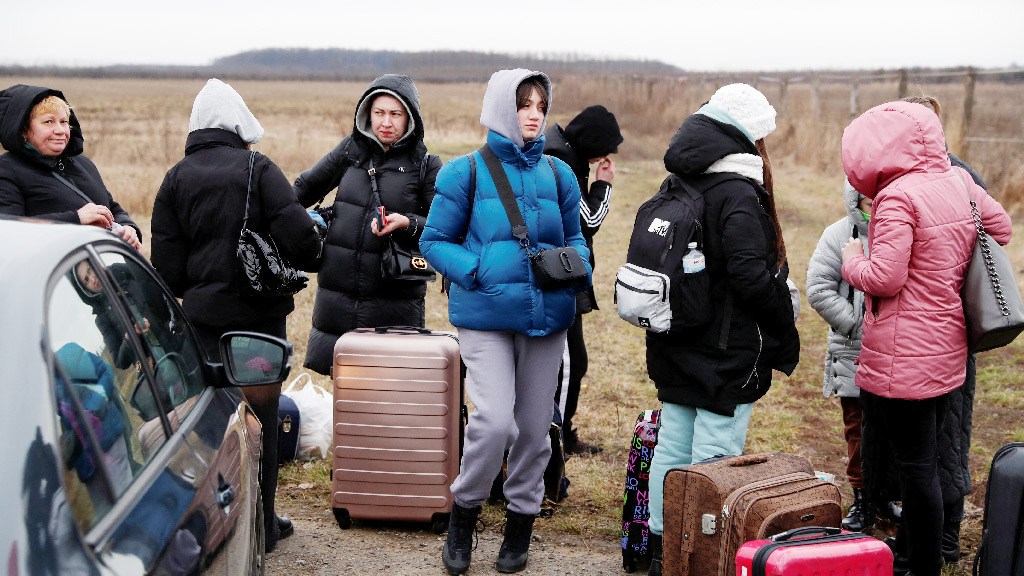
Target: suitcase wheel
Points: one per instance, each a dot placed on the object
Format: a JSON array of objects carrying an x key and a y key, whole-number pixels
[
  {"x": 439, "y": 523},
  {"x": 344, "y": 521}
]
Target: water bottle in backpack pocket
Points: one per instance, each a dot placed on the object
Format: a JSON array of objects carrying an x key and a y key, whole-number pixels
[{"x": 665, "y": 248}]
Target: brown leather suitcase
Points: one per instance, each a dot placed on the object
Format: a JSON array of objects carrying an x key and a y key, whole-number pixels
[
  {"x": 713, "y": 507},
  {"x": 398, "y": 404}
]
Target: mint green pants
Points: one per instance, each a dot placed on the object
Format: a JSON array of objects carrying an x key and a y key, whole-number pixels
[{"x": 690, "y": 435}]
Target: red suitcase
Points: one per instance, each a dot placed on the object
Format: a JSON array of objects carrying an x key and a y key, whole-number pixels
[
  {"x": 398, "y": 404},
  {"x": 810, "y": 550}
]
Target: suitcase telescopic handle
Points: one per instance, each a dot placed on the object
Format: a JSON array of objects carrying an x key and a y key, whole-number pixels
[
  {"x": 385, "y": 329},
  {"x": 806, "y": 531}
]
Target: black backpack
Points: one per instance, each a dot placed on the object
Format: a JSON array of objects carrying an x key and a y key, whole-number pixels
[{"x": 664, "y": 225}]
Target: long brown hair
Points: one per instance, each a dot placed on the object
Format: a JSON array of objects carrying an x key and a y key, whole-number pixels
[{"x": 780, "y": 244}]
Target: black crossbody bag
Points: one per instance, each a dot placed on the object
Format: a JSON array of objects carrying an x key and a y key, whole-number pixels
[{"x": 553, "y": 268}]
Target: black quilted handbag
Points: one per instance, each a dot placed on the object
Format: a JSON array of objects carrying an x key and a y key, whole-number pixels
[{"x": 263, "y": 270}]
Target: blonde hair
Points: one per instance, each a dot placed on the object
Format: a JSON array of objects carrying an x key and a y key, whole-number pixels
[
  {"x": 49, "y": 105},
  {"x": 926, "y": 101}
]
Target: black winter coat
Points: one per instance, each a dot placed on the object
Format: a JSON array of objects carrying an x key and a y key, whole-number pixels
[
  {"x": 197, "y": 218},
  {"x": 27, "y": 184},
  {"x": 729, "y": 360},
  {"x": 351, "y": 290},
  {"x": 595, "y": 196}
]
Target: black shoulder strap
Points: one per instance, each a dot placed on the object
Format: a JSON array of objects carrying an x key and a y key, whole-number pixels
[
  {"x": 248, "y": 189},
  {"x": 68, "y": 183},
  {"x": 507, "y": 196},
  {"x": 554, "y": 171}
]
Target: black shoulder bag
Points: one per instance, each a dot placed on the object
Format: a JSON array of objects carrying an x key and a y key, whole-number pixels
[
  {"x": 553, "y": 268},
  {"x": 398, "y": 262},
  {"x": 264, "y": 271}
]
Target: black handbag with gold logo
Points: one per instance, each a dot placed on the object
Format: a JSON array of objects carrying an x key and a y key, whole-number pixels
[{"x": 398, "y": 262}]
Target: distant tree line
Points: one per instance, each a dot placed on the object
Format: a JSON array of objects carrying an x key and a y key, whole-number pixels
[{"x": 435, "y": 66}]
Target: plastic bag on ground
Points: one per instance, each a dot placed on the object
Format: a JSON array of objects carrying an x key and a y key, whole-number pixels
[{"x": 316, "y": 423}]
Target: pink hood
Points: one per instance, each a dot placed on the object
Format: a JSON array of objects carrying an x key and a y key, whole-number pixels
[{"x": 921, "y": 236}]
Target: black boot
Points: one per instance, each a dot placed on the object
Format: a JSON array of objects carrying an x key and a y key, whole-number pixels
[
  {"x": 890, "y": 511},
  {"x": 861, "y": 515},
  {"x": 458, "y": 548},
  {"x": 654, "y": 545},
  {"x": 951, "y": 541},
  {"x": 515, "y": 547}
]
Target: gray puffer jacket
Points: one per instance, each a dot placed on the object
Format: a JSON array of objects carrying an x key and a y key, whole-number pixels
[{"x": 831, "y": 297}]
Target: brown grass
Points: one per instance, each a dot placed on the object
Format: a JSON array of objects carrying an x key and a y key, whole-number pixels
[{"x": 136, "y": 130}]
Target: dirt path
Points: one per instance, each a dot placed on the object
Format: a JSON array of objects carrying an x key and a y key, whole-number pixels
[{"x": 319, "y": 547}]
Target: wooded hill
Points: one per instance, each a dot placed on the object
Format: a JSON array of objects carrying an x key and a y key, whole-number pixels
[{"x": 340, "y": 64}]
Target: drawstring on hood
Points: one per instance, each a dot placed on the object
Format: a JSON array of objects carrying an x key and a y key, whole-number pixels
[
  {"x": 218, "y": 105},
  {"x": 500, "y": 113}
]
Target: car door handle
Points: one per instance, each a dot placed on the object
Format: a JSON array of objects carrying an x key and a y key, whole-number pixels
[{"x": 225, "y": 493}]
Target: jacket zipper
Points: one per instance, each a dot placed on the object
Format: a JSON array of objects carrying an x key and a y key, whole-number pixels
[{"x": 753, "y": 371}]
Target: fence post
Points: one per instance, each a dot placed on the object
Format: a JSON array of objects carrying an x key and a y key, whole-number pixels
[
  {"x": 815, "y": 97},
  {"x": 965, "y": 128},
  {"x": 854, "y": 107},
  {"x": 902, "y": 90}
]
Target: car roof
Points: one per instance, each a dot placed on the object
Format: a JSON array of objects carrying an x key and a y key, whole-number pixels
[{"x": 31, "y": 248}]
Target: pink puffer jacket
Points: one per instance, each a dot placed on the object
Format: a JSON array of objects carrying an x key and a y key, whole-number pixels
[{"x": 921, "y": 237}]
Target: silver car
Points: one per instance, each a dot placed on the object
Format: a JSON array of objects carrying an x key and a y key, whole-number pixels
[{"x": 125, "y": 449}]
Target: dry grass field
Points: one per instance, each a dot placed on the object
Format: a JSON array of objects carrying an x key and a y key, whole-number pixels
[{"x": 135, "y": 130}]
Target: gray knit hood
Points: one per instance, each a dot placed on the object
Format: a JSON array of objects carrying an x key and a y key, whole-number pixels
[
  {"x": 499, "y": 112},
  {"x": 404, "y": 89}
]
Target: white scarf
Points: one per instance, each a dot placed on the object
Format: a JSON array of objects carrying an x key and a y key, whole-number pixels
[{"x": 746, "y": 165}]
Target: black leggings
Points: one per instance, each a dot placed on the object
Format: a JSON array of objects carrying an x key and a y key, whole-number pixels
[{"x": 912, "y": 428}]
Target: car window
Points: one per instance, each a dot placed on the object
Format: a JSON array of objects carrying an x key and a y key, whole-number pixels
[
  {"x": 94, "y": 375},
  {"x": 166, "y": 343}
]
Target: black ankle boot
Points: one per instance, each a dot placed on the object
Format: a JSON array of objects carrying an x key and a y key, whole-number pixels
[
  {"x": 654, "y": 545},
  {"x": 515, "y": 547},
  {"x": 951, "y": 541},
  {"x": 458, "y": 548},
  {"x": 861, "y": 515}
]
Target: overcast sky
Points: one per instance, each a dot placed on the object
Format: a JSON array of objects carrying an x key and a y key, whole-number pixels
[{"x": 706, "y": 35}]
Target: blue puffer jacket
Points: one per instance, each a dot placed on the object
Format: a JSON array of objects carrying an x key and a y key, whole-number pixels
[{"x": 492, "y": 283}]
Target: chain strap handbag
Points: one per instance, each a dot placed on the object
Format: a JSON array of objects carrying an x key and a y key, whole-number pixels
[
  {"x": 553, "y": 268},
  {"x": 993, "y": 309},
  {"x": 397, "y": 261},
  {"x": 264, "y": 271}
]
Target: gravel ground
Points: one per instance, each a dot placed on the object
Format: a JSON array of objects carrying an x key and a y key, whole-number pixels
[{"x": 320, "y": 547}]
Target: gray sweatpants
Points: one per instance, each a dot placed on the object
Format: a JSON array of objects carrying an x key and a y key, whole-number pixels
[{"x": 511, "y": 380}]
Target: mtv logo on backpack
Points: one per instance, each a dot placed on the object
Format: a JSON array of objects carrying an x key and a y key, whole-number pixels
[{"x": 664, "y": 284}]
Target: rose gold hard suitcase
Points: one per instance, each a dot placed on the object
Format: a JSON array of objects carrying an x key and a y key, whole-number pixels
[
  {"x": 713, "y": 507},
  {"x": 398, "y": 405}
]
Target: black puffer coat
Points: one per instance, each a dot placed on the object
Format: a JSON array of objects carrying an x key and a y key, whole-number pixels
[
  {"x": 595, "y": 195},
  {"x": 729, "y": 360},
  {"x": 352, "y": 292},
  {"x": 27, "y": 184},
  {"x": 197, "y": 218}
]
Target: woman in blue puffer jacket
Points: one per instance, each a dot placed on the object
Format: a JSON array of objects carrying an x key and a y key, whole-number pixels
[{"x": 511, "y": 332}]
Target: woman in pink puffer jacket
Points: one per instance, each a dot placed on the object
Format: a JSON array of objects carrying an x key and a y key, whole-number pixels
[{"x": 914, "y": 347}]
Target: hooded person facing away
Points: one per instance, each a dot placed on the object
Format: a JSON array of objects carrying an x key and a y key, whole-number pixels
[
  {"x": 197, "y": 219},
  {"x": 352, "y": 292}
]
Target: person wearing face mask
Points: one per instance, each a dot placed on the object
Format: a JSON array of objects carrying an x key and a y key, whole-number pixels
[
  {"x": 44, "y": 173},
  {"x": 385, "y": 151},
  {"x": 511, "y": 332}
]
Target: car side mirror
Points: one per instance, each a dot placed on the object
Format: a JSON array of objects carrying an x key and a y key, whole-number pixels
[{"x": 254, "y": 359}]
